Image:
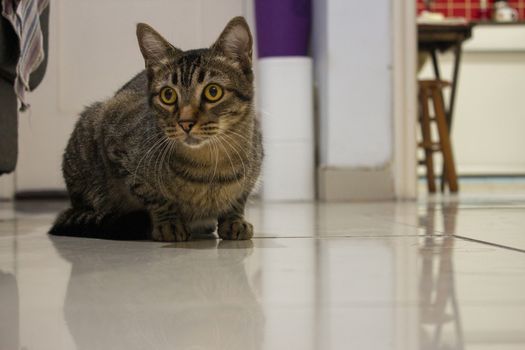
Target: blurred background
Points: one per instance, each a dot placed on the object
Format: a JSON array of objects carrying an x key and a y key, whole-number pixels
[
  {"x": 487, "y": 112},
  {"x": 337, "y": 89}
]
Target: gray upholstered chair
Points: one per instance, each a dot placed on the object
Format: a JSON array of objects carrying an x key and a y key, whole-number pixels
[{"x": 9, "y": 53}]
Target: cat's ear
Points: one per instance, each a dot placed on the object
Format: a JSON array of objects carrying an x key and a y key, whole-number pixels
[
  {"x": 236, "y": 41},
  {"x": 153, "y": 46}
]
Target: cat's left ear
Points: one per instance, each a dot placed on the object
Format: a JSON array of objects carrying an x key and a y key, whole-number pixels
[
  {"x": 153, "y": 46},
  {"x": 236, "y": 41}
]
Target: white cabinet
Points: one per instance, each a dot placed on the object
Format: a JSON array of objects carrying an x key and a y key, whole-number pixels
[
  {"x": 93, "y": 51},
  {"x": 489, "y": 119}
]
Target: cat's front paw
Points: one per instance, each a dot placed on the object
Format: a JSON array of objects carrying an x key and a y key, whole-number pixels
[
  {"x": 171, "y": 232},
  {"x": 235, "y": 229}
]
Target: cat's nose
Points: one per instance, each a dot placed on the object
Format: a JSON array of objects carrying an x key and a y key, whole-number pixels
[{"x": 186, "y": 125}]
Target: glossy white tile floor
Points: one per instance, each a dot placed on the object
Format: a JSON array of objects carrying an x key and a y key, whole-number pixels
[{"x": 438, "y": 274}]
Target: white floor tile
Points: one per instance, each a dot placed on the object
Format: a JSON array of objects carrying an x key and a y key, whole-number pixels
[{"x": 316, "y": 276}]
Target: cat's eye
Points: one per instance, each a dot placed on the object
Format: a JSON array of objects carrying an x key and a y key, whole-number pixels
[
  {"x": 213, "y": 92},
  {"x": 168, "y": 95}
]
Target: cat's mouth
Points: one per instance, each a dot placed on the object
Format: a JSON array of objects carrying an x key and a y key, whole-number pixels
[{"x": 192, "y": 141}]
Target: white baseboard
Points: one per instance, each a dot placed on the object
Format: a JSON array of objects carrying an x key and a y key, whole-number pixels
[{"x": 356, "y": 184}]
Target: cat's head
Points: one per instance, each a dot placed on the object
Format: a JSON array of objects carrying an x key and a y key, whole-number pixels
[{"x": 199, "y": 94}]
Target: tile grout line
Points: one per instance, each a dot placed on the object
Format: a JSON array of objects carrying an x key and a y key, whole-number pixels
[
  {"x": 347, "y": 236},
  {"x": 396, "y": 236},
  {"x": 439, "y": 233},
  {"x": 489, "y": 243}
]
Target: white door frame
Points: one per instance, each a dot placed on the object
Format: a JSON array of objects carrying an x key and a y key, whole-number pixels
[{"x": 404, "y": 46}]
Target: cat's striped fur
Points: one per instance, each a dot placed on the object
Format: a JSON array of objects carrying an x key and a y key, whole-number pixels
[{"x": 132, "y": 169}]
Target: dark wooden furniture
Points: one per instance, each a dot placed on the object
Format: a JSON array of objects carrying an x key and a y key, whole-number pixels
[
  {"x": 432, "y": 90},
  {"x": 434, "y": 38}
]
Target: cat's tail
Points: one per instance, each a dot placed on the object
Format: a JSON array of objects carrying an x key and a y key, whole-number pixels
[{"x": 76, "y": 222}]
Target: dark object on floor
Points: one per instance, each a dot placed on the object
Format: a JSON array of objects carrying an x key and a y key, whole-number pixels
[
  {"x": 41, "y": 195},
  {"x": 134, "y": 225},
  {"x": 9, "y": 52}
]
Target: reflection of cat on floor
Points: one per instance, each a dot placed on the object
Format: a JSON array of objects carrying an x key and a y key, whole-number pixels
[
  {"x": 9, "y": 315},
  {"x": 137, "y": 295}
]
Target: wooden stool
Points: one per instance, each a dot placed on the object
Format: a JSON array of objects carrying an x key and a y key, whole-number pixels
[{"x": 433, "y": 90}]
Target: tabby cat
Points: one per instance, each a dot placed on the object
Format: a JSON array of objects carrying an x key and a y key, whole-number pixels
[{"x": 176, "y": 150}]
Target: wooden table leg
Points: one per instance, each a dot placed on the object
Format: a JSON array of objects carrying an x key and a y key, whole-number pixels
[
  {"x": 444, "y": 139},
  {"x": 427, "y": 139},
  {"x": 452, "y": 101}
]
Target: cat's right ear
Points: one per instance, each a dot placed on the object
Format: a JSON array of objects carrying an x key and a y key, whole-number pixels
[{"x": 153, "y": 46}]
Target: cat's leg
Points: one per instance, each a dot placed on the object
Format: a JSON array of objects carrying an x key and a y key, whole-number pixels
[
  {"x": 167, "y": 225},
  {"x": 233, "y": 226},
  {"x": 99, "y": 212},
  {"x": 88, "y": 202},
  {"x": 75, "y": 222}
]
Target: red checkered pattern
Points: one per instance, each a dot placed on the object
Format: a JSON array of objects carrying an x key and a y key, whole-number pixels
[{"x": 468, "y": 8}]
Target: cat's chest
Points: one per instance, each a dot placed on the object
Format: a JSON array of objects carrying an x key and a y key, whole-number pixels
[
  {"x": 203, "y": 187},
  {"x": 206, "y": 198}
]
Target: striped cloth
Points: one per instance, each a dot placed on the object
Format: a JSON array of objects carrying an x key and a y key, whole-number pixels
[{"x": 24, "y": 17}]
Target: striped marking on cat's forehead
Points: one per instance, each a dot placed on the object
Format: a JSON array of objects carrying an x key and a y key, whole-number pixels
[
  {"x": 187, "y": 65},
  {"x": 191, "y": 68}
]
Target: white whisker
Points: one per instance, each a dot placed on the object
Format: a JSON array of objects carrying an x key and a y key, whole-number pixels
[
  {"x": 155, "y": 145},
  {"x": 157, "y": 168},
  {"x": 238, "y": 155},
  {"x": 216, "y": 151},
  {"x": 229, "y": 158}
]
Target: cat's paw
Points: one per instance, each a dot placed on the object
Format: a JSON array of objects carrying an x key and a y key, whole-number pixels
[
  {"x": 235, "y": 229},
  {"x": 171, "y": 232}
]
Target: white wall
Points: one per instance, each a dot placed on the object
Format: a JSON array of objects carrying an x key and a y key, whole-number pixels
[
  {"x": 352, "y": 47},
  {"x": 93, "y": 51}
]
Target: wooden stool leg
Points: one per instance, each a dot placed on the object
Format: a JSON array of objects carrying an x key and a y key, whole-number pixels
[
  {"x": 427, "y": 139},
  {"x": 444, "y": 140}
]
